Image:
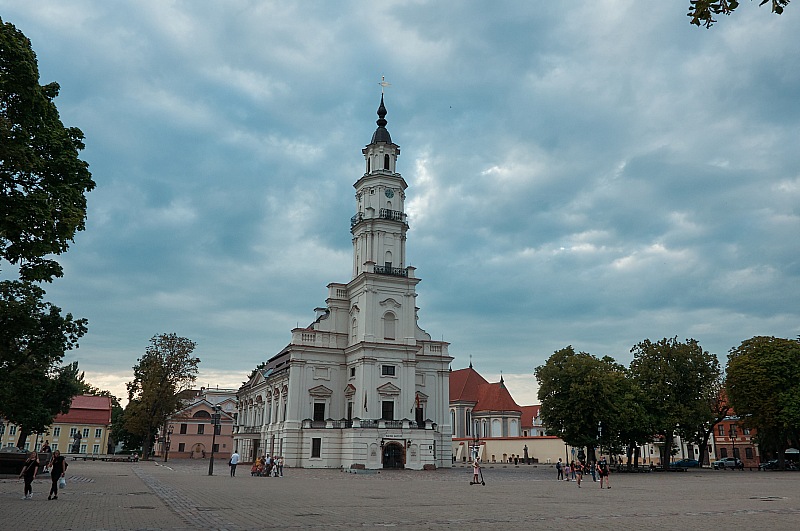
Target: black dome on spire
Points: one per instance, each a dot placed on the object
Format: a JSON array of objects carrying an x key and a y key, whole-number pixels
[{"x": 381, "y": 134}]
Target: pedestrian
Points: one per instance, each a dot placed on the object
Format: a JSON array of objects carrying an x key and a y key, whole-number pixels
[
  {"x": 57, "y": 471},
  {"x": 579, "y": 473},
  {"x": 603, "y": 472},
  {"x": 560, "y": 469},
  {"x": 45, "y": 449},
  {"x": 572, "y": 468},
  {"x": 233, "y": 462},
  {"x": 29, "y": 470},
  {"x": 476, "y": 469},
  {"x": 566, "y": 472},
  {"x": 280, "y": 466}
]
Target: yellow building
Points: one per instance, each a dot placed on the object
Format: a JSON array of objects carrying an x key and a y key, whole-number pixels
[{"x": 85, "y": 428}]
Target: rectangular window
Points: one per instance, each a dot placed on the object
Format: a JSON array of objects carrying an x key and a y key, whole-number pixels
[
  {"x": 85, "y": 432},
  {"x": 83, "y": 449},
  {"x": 98, "y": 432},
  {"x": 352, "y": 372},
  {"x": 736, "y": 453},
  {"x": 387, "y": 410},
  {"x": 284, "y": 411},
  {"x": 215, "y": 448},
  {"x": 96, "y": 449},
  {"x": 316, "y": 447},
  {"x": 181, "y": 447},
  {"x": 319, "y": 411},
  {"x": 349, "y": 411},
  {"x": 721, "y": 428},
  {"x": 201, "y": 429},
  {"x": 72, "y": 432},
  {"x": 748, "y": 453},
  {"x": 12, "y": 430},
  {"x": 746, "y": 431},
  {"x": 387, "y": 370},
  {"x": 723, "y": 452},
  {"x": 57, "y": 431},
  {"x": 54, "y": 447},
  {"x": 183, "y": 429}
]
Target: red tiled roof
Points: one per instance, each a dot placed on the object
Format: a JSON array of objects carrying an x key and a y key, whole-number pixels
[
  {"x": 495, "y": 397},
  {"x": 87, "y": 409},
  {"x": 528, "y": 414},
  {"x": 464, "y": 385}
]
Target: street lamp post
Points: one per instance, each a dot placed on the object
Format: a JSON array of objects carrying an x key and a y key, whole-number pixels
[
  {"x": 214, "y": 426},
  {"x": 166, "y": 443},
  {"x": 732, "y": 434}
]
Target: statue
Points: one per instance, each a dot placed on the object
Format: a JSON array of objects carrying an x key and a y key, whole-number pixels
[{"x": 76, "y": 443}]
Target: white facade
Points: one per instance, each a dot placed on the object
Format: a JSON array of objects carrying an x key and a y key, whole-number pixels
[{"x": 363, "y": 385}]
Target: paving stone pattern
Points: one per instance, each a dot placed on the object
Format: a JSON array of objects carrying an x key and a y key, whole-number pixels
[{"x": 180, "y": 495}]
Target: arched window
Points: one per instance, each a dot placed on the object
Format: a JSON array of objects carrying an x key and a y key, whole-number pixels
[
  {"x": 497, "y": 428},
  {"x": 389, "y": 325},
  {"x": 513, "y": 431},
  {"x": 453, "y": 419},
  {"x": 386, "y": 162},
  {"x": 354, "y": 331},
  {"x": 468, "y": 423},
  {"x": 201, "y": 415}
]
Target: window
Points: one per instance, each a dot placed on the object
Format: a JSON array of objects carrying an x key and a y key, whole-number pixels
[
  {"x": 54, "y": 447},
  {"x": 746, "y": 431},
  {"x": 201, "y": 429},
  {"x": 319, "y": 411},
  {"x": 96, "y": 449},
  {"x": 83, "y": 448},
  {"x": 12, "y": 430},
  {"x": 386, "y": 162},
  {"x": 181, "y": 447},
  {"x": 85, "y": 432},
  {"x": 387, "y": 370},
  {"x": 183, "y": 429},
  {"x": 387, "y": 410},
  {"x": 284, "y": 411},
  {"x": 721, "y": 430},
  {"x": 736, "y": 453},
  {"x": 316, "y": 447},
  {"x": 215, "y": 448},
  {"x": 349, "y": 411},
  {"x": 723, "y": 452},
  {"x": 98, "y": 432},
  {"x": 748, "y": 453},
  {"x": 352, "y": 372},
  {"x": 468, "y": 422},
  {"x": 389, "y": 322},
  {"x": 2, "y": 428}
]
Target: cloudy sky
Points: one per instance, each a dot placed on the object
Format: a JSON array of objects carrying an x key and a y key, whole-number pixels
[{"x": 589, "y": 174}]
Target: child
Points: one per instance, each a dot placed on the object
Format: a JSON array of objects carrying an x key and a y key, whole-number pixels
[{"x": 476, "y": 469}]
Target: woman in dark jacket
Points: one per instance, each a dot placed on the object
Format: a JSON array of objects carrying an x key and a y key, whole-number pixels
[
  {"x": 29, "y": 470},
  {"x": 58, "y": 467}
]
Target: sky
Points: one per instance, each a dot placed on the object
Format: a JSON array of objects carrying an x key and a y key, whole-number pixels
[{"x": 591, "y": 174}]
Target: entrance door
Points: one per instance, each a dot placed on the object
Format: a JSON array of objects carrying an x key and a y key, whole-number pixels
[{"x": 393, "y": 455}]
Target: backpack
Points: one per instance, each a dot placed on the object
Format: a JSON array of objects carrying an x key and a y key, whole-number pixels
[{"x": 558, "y": 465}]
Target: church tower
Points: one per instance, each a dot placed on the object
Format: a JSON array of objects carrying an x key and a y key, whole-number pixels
[{"x": 363, "y": 385}]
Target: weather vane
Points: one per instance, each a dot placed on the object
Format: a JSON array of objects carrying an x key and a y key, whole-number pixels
[{"x": 384, "y": 84}]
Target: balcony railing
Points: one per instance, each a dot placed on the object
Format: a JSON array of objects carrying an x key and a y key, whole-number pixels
[
  {"x": 394, "y": 215},
  {"x": 394, "y": 271},
  {"x": 355, "y": 220}
]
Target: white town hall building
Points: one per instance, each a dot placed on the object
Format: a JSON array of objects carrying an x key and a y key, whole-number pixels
[{"x": 362, "y": 386}]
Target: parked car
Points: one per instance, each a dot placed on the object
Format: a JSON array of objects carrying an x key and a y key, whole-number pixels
[
  {"x": 772, "y": 464},
  {"x": 685, "y": 463},
  {"x": 728, "y": 462}
]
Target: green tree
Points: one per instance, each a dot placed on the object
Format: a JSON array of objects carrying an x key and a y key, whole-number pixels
[
  {"x": 166, "y": 369},
  {"x": 676, "y": 379},
  {"x": 34, "y": 336},
  {"x": 763, "y": 386},
  {"x": 581, "y": 396},
  {"x": 702, "y": 12},
  {"x": 42, "y": 181}
]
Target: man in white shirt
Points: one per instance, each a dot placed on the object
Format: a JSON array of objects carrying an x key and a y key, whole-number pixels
[{"x": 233, "y": 462}]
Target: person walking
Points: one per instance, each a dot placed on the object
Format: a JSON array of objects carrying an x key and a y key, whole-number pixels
[
  {"x": 560, "y": 469},
  {"x": 578, "y": 468},
  {"x": 58, "y": 468},
  {"x": 476, "y": 469},
  {"x": 280, "y": 466},
  {"x": 29, "y": 470},
  {"x": 603, "y": 472},
  {"x": 233, "y": 462}
]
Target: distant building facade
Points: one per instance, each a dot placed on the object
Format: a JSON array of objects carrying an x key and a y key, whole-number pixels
[{"x": 363, "y": 385}]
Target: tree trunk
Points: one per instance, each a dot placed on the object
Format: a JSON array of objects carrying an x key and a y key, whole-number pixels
[{"x": 22, "y": 438}]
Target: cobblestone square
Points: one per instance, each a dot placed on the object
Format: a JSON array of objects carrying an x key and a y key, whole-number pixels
[{"x": 181, "y": 495}]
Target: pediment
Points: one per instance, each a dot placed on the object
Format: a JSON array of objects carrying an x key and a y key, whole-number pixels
[
  {"x": 320, "y": 391},
  {"x": 389, "y": 389},
  {"x": 349, "y": 390},
  {"x": 390, "y": 302}
]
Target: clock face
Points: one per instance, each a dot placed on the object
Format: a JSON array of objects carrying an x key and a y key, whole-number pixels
[{"x": 389, "y": 193}]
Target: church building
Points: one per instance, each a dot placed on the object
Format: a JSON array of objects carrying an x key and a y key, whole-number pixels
[{"x": 362, "y": 386}]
